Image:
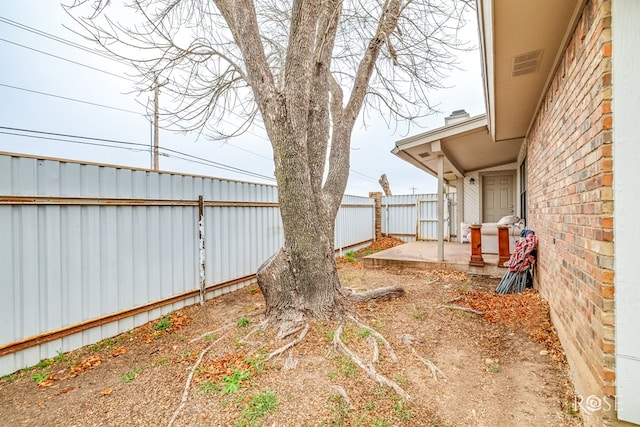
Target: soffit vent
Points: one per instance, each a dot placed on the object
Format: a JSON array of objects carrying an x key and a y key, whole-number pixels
[
  {"x": 424, "y": 155},
  {"x": 526, "y": 63}
]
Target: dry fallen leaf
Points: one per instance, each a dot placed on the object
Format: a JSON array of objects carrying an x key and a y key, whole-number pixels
[
  {"x": 86, "y": 364},
  {"x": 118, "y": 351},
  {"x": 106, "y": 392},
  {"x": 66, "y": 389}
]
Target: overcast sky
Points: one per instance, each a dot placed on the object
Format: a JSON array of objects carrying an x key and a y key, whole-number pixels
[{"x": 43, "y": 80}]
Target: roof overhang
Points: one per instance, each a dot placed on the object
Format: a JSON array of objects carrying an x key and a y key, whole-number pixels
[
  {"x": 466, "y": 147},
  {"x": 522, "y": 42}
]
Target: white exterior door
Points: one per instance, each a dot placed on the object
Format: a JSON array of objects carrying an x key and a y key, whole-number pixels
[{"x": 497, "y": 197}]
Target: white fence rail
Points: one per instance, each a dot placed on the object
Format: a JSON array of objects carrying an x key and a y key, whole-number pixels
[{"x": 90, "y": 251}]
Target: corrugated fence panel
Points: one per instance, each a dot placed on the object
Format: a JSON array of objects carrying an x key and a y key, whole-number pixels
[
  {"x": 400, "y": 215},
  {"x": 414, "y": 216},
  {"x": 71, "y": 262},
  {"x": 87, "y": 248},
  {"x": 355, "y": 223},
  {"x": 239, "y": 238}
]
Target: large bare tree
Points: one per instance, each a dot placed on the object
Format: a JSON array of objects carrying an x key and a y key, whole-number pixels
[{"x": 307, "y": 69}]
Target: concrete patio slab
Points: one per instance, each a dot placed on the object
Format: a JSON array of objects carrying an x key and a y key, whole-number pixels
[{"x": 422, "y": 255}]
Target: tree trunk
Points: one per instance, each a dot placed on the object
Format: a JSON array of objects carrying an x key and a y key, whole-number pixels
[{"x": 300, "y": 281}]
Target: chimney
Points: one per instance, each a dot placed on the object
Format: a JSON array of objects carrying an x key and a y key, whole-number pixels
[{"x": 456, "y": 117}]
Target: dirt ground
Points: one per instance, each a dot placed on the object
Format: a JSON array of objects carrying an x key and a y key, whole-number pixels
[{"x": 503, "y": 367}]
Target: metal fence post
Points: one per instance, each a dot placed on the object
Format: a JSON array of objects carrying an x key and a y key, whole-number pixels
[{"x": 201, "y": 247}]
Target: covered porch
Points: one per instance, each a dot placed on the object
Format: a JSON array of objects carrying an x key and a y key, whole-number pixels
[{"x": 423, "y": 255}]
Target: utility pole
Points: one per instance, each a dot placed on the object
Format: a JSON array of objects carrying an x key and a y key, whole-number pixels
[
  {"x": 413, "y": 190},
  {"x": 156, "y": 127}
]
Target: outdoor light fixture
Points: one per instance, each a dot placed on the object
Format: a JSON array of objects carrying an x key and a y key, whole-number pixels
[{"x": 472, "y": 181}]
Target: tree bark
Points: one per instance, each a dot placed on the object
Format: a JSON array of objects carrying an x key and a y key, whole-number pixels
[{"x": 300, "y": 282}]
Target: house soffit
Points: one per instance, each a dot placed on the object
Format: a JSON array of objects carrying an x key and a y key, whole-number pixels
[
  {"x": 466, "y": 146},
  {"x": 522, "y": 41}
]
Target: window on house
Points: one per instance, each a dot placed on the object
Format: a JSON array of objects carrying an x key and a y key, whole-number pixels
[{"x": 523, "y": 191}]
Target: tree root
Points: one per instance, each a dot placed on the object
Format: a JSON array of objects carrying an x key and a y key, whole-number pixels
[
  {"x": 375, "y": 357},
  {"x": 221, "y": 328},
  {"x": 468, "y": 310},
  {"x": 367, "y": 366},
  {"x": 304, "y": 328},
  {"x": 342, "y": 392},
  {"x": 435, "y": 371},
  {"x": 291, "y": 362},
  {"x": 377, "y": 335},
  {"x": 187, "y": 386},
  {"x": 260, "y": 326},
  {"x": 409, "y": 340},
  {"x": 388, "y": 292}
]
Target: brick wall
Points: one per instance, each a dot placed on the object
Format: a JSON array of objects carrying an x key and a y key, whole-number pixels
[{"x": 570, "y": 200}]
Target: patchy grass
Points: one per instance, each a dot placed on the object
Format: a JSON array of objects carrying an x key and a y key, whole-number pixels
[{"x": 131, "y": 375}]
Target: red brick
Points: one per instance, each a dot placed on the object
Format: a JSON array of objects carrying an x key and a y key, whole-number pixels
[
  {"x": 609, "y": 375},
  {"x": 606, "y": 291},
  {"x": 607, "y": 346}
]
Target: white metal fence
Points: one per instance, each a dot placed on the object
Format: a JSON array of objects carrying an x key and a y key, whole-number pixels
[
  {"x": 415, "y": 216},
  {"x": 90, "y": 251}
]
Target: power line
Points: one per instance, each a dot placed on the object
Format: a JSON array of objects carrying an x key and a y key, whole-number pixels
[
  {"x": 62, "y": 137},
  {"x": 51, "y": 138},
  {"x": 363, "y": 176},
  {"x": 68, "y": 60},
  {"x": 104, "y": 55},
  {"x": 70, "y": 99},
  {"x": 130, "y": 146},
  {"x": 60, "y": 39}
]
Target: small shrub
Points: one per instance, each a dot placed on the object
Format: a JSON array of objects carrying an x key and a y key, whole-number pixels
[
  {"x": 231, "y": 383},
  {"x": 163, "y": 324},
  {"x": 243, "y": 321},
  {"x": 40, "y": 376},
  {"x": 60, "y": 357}
]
